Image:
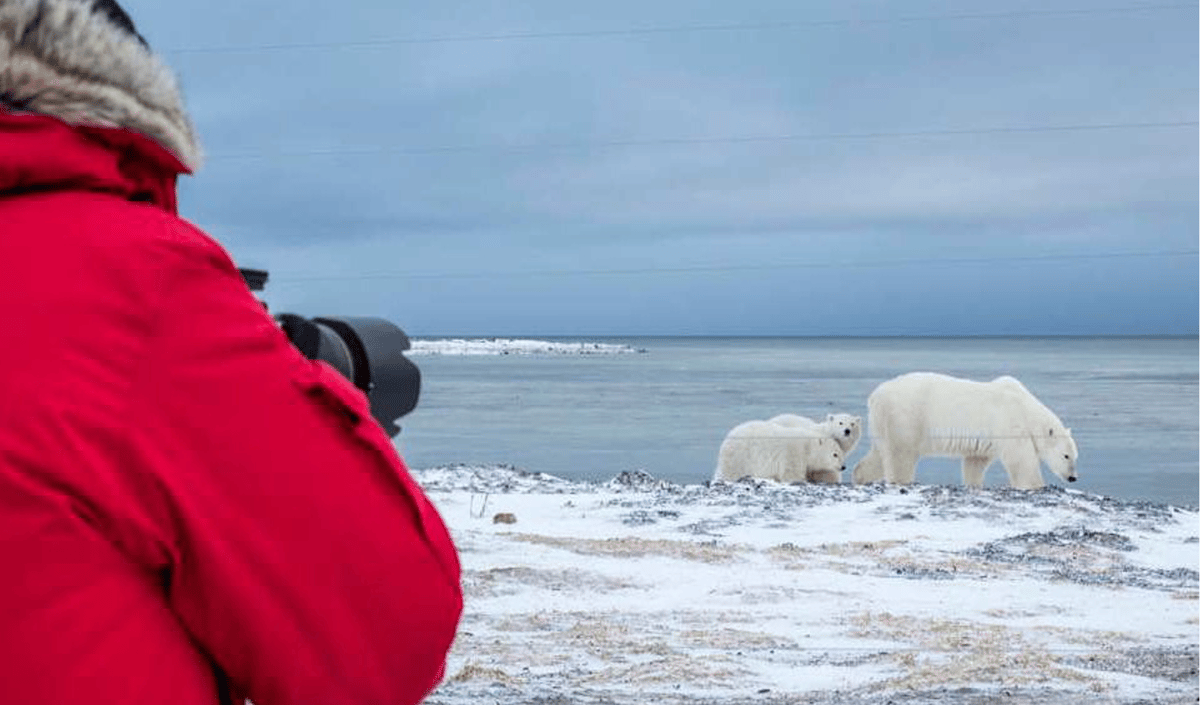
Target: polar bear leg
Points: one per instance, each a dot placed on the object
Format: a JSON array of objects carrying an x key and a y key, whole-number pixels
[
  {"x": 774, "y": 459},
  {"x": 899, "y": 468},
  {"x": 973, "y": 469},
  {"x": 869, "y": 469},
  {"x": 1023, "y": 467}
]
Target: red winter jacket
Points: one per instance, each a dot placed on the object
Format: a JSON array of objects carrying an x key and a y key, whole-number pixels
[{"x": 180, "y": 490}]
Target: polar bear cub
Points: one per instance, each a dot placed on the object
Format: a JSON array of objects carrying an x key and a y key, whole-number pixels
[
  {"x": 777, "y": 452},
  {"x": 929, "y": 414},
  {"x": 843, "y": 428}
]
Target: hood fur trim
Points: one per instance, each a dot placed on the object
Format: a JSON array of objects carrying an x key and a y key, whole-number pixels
[{"x": 59, "y": 58}]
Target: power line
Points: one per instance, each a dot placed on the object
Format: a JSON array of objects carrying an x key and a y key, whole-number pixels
[
  {"x": 698, "y": 269},
  {"x": 695, "y": 141},
  {"x": 678, "y": 29}
]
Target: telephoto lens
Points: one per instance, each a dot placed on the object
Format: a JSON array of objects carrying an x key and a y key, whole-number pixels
[{"x": 367, "y": 351}]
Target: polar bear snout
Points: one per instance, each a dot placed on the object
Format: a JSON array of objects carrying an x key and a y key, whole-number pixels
[
  {"x": 846, "y": 433},
  {"x": 1071, "y": 475}
]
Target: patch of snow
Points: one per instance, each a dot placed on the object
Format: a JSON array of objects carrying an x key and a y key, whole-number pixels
[{"x": 638, "y": 590}]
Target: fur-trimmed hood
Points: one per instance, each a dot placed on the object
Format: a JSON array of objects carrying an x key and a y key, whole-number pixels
[{"x": 65, "y": 59}]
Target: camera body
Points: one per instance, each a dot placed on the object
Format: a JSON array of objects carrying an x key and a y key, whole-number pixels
[{"x": 367, "y": 351}]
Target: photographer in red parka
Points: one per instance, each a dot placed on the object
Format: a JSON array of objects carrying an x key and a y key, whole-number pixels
[{"x": 188, "y": 506}]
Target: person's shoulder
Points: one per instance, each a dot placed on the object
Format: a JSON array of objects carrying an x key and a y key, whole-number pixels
[
  {"x": 148, "y": 248},
  {"x": 143, "y": 233},
  {"x": 102, "y": 219},
  {"x": 91, "y": 233},
  {"x": 142, "y": 220}
]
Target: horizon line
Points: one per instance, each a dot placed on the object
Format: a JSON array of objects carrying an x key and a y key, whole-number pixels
[{"x": 868, "y": 336}]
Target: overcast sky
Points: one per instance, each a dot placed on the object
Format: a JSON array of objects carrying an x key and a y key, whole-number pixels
[{"x": 756, "y": 167}]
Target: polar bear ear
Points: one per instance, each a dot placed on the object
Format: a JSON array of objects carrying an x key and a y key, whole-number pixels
[{"x": 829, "y": 417}]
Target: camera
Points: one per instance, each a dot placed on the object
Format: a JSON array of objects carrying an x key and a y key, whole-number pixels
[{"x": 365, "y": 350}]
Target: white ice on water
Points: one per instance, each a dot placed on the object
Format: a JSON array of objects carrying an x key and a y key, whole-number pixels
[{"x": 514, "y": 346}]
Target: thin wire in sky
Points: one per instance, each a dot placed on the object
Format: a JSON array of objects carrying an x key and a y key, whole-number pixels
[
  {"x": 677, "y": 29},
  {"x": 698, "y": 141},
  {"x": 726, "y": 268}
]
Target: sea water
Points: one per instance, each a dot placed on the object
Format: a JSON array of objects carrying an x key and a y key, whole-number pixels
[{"x": 1132, "y": 404}]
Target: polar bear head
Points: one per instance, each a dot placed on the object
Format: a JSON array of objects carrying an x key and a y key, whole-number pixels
[
  {"x": 1058, "y": 451},
  {"x": 825, "y": 454},
  {"x": 845, "y": 429}
]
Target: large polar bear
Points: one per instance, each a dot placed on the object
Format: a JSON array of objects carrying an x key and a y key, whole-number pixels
[
  {"x": 928, "y": 414},
  {"x": 776, "y": 452},
  {"x": 843, "y": 428}
]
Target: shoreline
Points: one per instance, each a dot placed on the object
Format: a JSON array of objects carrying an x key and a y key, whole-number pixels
[{"x": 506, "y": 477}]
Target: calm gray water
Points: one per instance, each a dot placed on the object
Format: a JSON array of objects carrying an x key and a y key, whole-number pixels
[{"x": 1132, "y": 404}]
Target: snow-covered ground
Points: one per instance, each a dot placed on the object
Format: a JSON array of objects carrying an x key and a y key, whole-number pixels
[
  {"x": 514, "y": 346},
  {"x": 638, "y": 591}
]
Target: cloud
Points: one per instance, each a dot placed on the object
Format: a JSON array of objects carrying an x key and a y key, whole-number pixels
[{"x": 624, "y": 152}]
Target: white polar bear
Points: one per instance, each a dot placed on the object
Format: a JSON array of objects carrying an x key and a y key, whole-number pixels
[
  {"x": 843, "y": 428},
  {"x": 776, "y": 452},
  {"x": 928, "y": 414}
]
